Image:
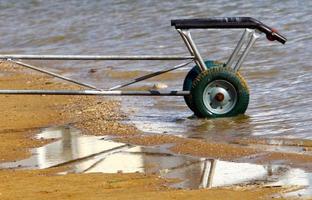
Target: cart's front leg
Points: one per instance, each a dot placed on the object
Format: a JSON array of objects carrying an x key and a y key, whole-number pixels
[{"x": 190, "y": 44}]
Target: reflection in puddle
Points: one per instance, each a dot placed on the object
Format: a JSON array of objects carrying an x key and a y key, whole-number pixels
[
  {"x": 87, "y": 154},
  {"x": 71, "y": 145}
]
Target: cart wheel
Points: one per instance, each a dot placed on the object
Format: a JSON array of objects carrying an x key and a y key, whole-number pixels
[
  {"x": 219, "y": 92},
  {"x": 187, "y": 86},
  {"x": 190, "y": 77}
]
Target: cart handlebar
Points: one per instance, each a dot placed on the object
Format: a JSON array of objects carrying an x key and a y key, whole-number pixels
[{"x": 229, "y": 22}]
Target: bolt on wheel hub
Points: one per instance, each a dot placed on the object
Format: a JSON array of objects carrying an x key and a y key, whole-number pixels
[{"x": 220, "y": 97}]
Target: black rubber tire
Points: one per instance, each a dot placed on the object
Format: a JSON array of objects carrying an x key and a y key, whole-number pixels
[
  {"x": 187, "y": 86},
  {"x": 190, "y": 77},
  {"x": 219, "y": 73}
]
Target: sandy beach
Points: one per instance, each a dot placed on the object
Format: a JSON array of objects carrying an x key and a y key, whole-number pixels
[{"x": 23, "y": 116}]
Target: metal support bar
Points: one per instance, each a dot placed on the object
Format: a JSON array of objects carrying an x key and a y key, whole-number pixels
[
  {"x": 187, "y": 38},
  {"x": 142, "y": 78},
  {"x": 251, "y": 42},
  {"x": 247, "y": 33},
  {"x": 95, "y": 92},
  {"x": 53, "y": 74},
  {"x": 95, "y": 57},
  {"x": 188, "y": 46}
]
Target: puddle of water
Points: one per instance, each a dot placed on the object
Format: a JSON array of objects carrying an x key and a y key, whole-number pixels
[
  {"x": 278, "y": 148},
  {"x": 88, "y": 154},
  {"x": 71, "y": 145},
  {"x": 277, "y": 107}
]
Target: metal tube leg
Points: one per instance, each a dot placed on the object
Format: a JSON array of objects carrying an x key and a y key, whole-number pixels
[
  {"x": 247, "y": 33},
  {"x": 95, "y": 92},
  {"x": 251, "y": 42},
  {"x": 188, "y": 46},
  {"x": 93, "y": 57},
  {"x": 147, "y": 76},
  {"x": 53, "y": 74},
  {"x": 187, "y": 38},
  {"x": 186, "y": 42}
]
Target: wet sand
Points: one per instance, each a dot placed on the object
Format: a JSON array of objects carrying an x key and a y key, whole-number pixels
[
  {"x": 44, "y": 184},
  {"x": 23, "y": 116},
  {"x": 192, "y": 146}
]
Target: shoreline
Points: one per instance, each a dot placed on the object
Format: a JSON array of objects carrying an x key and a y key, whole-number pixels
[{"x": 23, "y": 116}]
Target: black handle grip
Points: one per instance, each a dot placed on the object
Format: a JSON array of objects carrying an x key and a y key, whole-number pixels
[{"x": 229, "y": 22}]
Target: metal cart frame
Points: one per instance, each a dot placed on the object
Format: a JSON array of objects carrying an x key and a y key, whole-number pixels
[{"x": 252, "y": 27}]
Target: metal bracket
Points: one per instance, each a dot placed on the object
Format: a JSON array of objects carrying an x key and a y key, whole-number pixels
[
  {"x": 251, "y": 42},
  {"x": 190, "y": 44},
  {"x": 248, "y": 34}
]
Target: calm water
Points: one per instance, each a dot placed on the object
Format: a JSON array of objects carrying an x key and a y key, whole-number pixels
[{"x": 279, "y": 76}]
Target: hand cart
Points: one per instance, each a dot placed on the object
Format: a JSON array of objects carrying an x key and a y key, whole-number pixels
[{"x": 210, "y": 89}]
